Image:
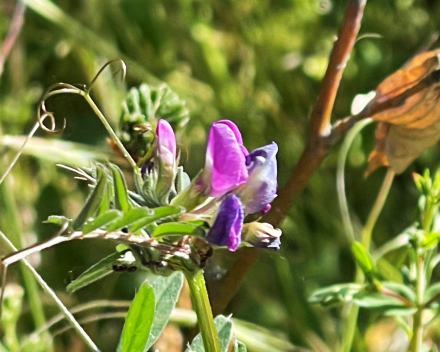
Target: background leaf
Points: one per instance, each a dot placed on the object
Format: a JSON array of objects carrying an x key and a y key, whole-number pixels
[
  {"x": 94, "y": 273},
  {"x": 377, "y": 300},
  {"x": 224, "y": 330},
  {"x": 166, "y": 292}
]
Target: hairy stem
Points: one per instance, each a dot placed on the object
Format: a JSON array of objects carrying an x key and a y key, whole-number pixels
[{"x": 202, "y": 307}]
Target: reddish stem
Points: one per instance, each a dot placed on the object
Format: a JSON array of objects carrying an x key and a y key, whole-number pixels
[{"x": 14, "y": 30}]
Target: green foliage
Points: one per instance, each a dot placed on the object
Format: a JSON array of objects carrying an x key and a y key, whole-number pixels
[
  {"x": 96, "y": 272},
  {"x": 166, "y": 292},
  {"x": 255, "y": 62},
  {"x": 154, "y": 303},
  {"x": 138, "y": 322},
  {"x": 93, "y": 201},
  {"x": 225, "y": 334},
  {"x": 364, "y": 260},
  {"x": 141, "y": 110}
]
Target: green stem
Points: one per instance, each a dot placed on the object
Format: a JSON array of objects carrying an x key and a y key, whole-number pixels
[
  {"x": 417, "y": 328},
  {"x": 351, "y": 317},
  {"x": 202, "y": 307},
  {"x": 111, "y": 133},
  {"x": 417, "y": 337},
  {"x": 340, "y": 176},
  {"x": 377, "y": 208}
]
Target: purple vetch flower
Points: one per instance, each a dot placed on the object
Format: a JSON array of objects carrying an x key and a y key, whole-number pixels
[
  {"x": 261, "y": 187},
  {"x": 261, "y": 235},
  {"x": 166, "y": 143},
  {"x": 159, "y": 170},
  {"x": 228, "y": 223},
  {"x": 165, "y": 157},
  {"x": 225, "y": 163}
]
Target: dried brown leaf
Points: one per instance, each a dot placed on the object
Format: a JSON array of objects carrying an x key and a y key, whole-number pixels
[{"x": 407, "y": 128}]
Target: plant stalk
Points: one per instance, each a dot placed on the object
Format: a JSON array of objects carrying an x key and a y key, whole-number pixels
[
  {"x": 417, "y": 328},
  {"x": 112, "y": 133},
  {"x": 351, "y": 318},
  {"x": 202, "y": 307},
  {"x": 417, "y": 337}
]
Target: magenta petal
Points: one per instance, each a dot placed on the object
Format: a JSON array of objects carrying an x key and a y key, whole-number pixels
[
  {"x": 165, "y": 137},
  {"x": 225, "y": 165},
  {"x": 226, "y": 230},
  {"x": 233, "y": 127}
]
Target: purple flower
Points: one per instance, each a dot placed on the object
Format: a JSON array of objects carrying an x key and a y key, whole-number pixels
[
  {"x": 261, "y": 187},
  {"x": 166, "y": 143},
  {"x": 227, "y": 226},
  {"x": 225, "y": 163},
  {"x": 165, "y": 158},
  {"x": 159, "y": 170},
  {"x": 261, "y": 235}
]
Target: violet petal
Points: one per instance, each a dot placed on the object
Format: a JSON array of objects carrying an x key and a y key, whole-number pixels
[
  {"x": 261, "y": 187},
  {"x": 227, "y": 226}
]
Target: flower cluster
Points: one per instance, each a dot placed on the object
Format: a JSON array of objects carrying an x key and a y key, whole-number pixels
[{"x": 233, "y": 184}]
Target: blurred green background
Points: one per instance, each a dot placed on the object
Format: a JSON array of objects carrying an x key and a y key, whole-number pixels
[{"x": 256, "y": 62}]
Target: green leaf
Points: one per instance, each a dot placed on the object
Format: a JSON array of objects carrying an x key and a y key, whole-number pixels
[
  {"x": 432, "y": 290},
  {"x": 138, "y": 321},
  {"x": 166, "y": 292},
  {"x": 335, "y": 294},
  {"x": 129, "y": 218},
  {"x": 430, "y": 239},
  {"x": 94, "y": 273},
  {"x": 223, "y": 326},
  {"x": 107, "y": 196},
  {"x": 94, "y": 200},
  {"x": 157, "y": 214},
  {"x": 400, "y": 312},
  {"x": 121, "y": 194},
  {"x": 377, "y": 300},
  {"x": 239, "y": 346},
  {"x": 364, "y": 259},
  {"x": 401, "y": 289},
  {"x": 57, "y": 220},
  {"x": 182, "y": 180},
  {"x": 101, "y": 221},
  {"x": 178, "y": 228}
]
